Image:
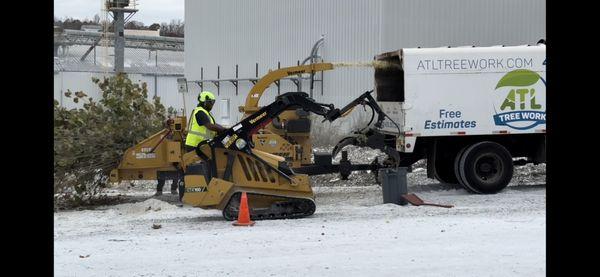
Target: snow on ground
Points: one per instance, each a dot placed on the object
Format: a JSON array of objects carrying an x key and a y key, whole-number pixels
[{"x": 351, "y": 234}]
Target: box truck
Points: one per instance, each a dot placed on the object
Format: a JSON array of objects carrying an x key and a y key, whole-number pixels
[{"x": 471, "y": 112}]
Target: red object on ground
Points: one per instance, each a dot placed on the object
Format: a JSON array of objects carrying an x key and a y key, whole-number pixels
[
  {"x": 244, "y": 213},
  {"x": 417, "y": 201}
]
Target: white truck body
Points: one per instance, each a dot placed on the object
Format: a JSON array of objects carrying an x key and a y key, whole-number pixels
[{"x": 467, "y": 91}]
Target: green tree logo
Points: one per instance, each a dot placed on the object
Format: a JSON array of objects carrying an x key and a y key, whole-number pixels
[{"x": 520, "y": 107}]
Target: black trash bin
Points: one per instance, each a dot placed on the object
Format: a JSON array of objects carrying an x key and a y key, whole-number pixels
[{"x": 393, "y": 183}]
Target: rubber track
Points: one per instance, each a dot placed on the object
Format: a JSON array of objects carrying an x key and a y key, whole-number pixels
[{"x": 293, "y": 208}]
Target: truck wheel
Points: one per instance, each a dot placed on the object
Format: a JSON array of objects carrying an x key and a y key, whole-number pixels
[
  {"x": 457, "y": 170},
  {"x": 485, "y": 167},
  {"x": 444, "y": 170}
]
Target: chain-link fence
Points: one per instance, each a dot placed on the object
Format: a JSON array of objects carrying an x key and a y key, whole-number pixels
[
  {"x": 75, "y": 66},
  {"x": 84, "y": 58}
]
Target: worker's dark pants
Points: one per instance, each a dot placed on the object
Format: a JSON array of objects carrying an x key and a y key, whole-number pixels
[
  {"x": 161, "y": 184},
  {"x": 193, "y": 148}
]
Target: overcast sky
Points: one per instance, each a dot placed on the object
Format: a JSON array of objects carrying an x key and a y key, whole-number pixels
[{"x": 150, "y": 11}]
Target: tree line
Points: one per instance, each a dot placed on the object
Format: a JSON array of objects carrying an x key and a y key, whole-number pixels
[{"x": 175, "y": 28}]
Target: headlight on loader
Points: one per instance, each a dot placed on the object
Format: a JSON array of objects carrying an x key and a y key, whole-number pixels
[{"x": 240, "y": 143}]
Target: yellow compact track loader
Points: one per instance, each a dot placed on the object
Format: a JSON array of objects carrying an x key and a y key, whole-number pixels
[{"x": 220, "y": 169}]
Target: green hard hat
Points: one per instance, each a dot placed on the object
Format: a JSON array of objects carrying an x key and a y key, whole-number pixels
[{"x": 203, "y": 96}]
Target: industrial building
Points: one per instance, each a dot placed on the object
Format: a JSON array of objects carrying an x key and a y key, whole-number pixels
[
  {"x": 230, "y": 43},
  {"x": 159, "y": 69},
  {"x": 93, "y": 52}
]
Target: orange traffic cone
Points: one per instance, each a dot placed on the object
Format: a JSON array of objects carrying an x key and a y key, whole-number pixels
[{"x": 244, "y": 214}]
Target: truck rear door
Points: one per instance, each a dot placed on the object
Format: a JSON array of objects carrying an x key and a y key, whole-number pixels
[{"x": 389, "y": 89}]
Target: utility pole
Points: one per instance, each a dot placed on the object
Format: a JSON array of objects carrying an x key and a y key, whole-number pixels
[{"x": 119, "y": 8}]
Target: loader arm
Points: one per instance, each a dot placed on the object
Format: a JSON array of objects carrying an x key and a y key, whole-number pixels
[
  {"x": 252, "y": 123},
  {"x": 367, "y": 137},
  {"x": 364, "y": 99},
  {"x": 239, "y": 137}
]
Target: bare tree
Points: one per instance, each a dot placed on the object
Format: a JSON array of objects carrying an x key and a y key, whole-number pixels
[
  {"x": 174, "y": 29},
  {"x": 135, "y": 25},
  {"x": 154, "y": 26}
]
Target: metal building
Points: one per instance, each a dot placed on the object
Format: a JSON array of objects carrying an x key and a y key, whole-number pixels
[
  {"x": 93, "y": 52},
  {"x": 257, "y": 35},
  {"x": 156, "y": 61}
]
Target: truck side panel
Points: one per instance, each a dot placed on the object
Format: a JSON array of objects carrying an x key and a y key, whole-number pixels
[
  {"x": 493, "y": 90},
  {"x": 465, "y": 91}
]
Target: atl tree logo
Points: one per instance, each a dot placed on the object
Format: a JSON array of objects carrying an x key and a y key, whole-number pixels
[{"x": 522, "y": 100}]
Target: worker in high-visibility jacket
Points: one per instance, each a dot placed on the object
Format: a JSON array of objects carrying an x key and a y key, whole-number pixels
[{"x": 202, "y": 124}]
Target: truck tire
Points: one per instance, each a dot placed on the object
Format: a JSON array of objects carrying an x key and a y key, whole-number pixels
[
  {"x": 444, "y": 170},
  {"x": 485, "y": 167},
  {"x": 457, "y": 169}
]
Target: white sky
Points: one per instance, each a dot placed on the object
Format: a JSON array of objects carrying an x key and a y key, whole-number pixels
[{"x": 150, "y": 11}]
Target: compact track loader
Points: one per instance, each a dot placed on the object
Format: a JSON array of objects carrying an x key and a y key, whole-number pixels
[{"x": 220, "y": 169}]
